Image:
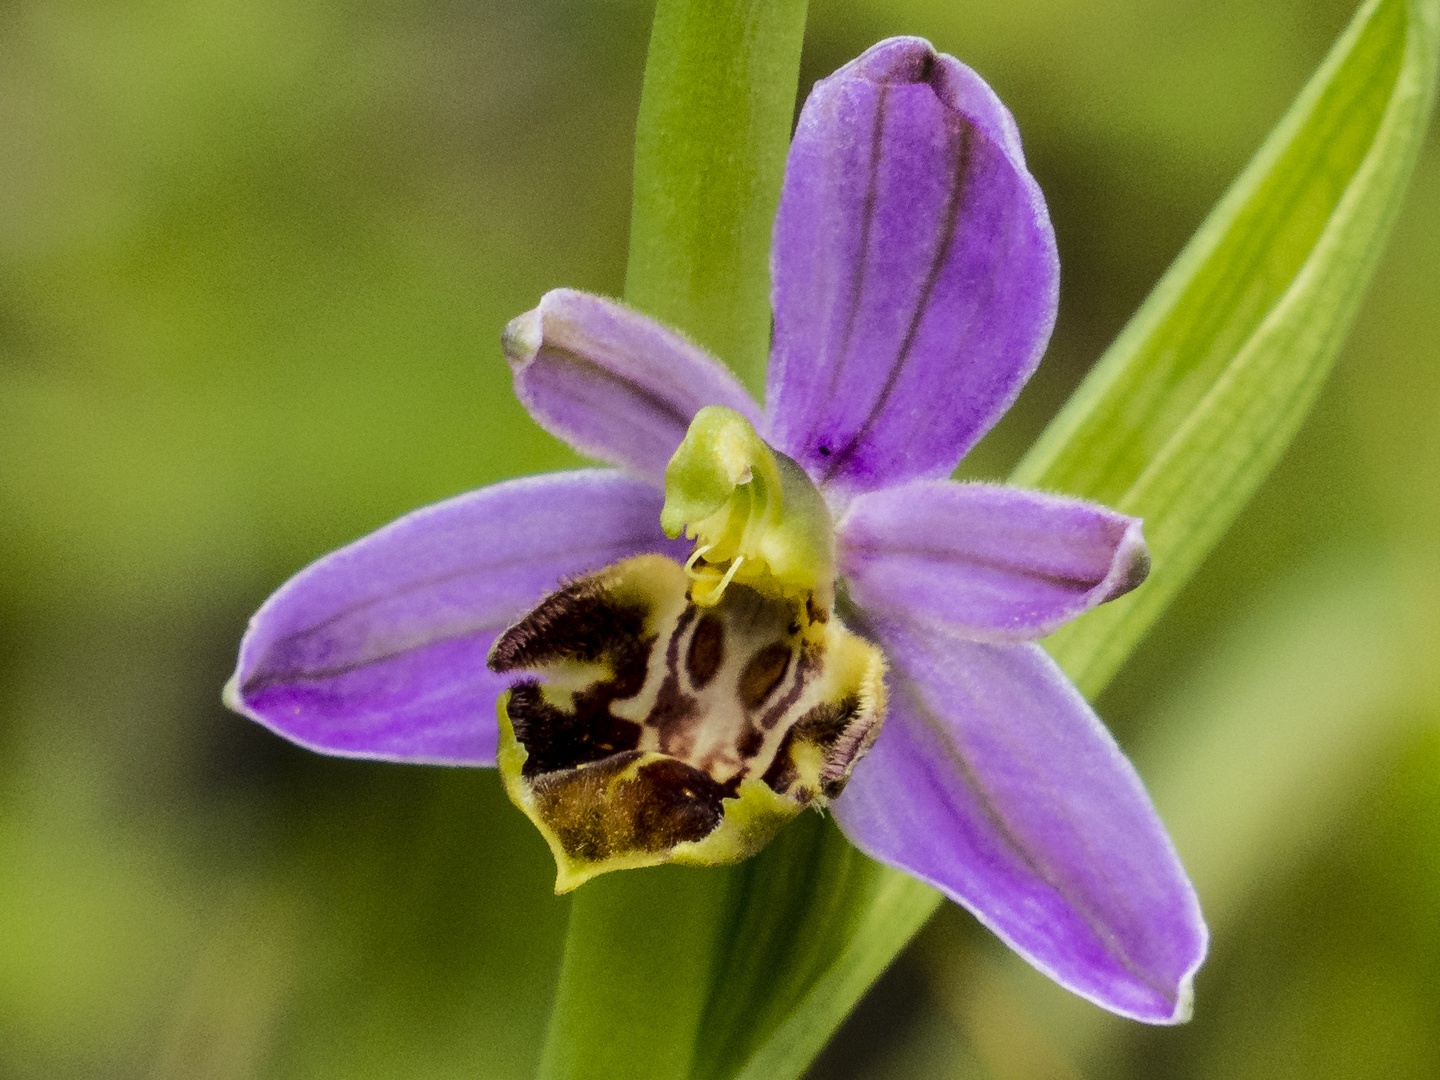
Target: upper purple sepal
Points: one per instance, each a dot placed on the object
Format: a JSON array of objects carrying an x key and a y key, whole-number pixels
[
  {"x": 914, "y": 270},
  {"x": 613, "y": 383},
  {"x": 378, "y": 650},
  {"x": 994, "y": 781}
]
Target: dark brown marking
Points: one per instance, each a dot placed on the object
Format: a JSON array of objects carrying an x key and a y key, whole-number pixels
[
  {"x": 556, "y": 739},
  {"x": 815, "y": 613},
  {"x": 750, "y": 742},
  {"x": 674, "y": 709},
  {"x": 763, "y": 673},
  {"x": 826, "y": 723},
  {"x": 805, "y": 667},
  {"x": 782, "y": 773},
  {"x": 832, "y": 727},
  {"x": 856, "y": 732},
  {"x": 707, "y": 651},
  {"x": 681, "y": 625},
  {"x": 673, "y": 714},
  {"x": 678, "y": 803},
  {"x": 666, "y": 803},
  {"x": 580, "y": 622}
]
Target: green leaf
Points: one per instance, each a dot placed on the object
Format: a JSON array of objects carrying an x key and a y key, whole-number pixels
[
  {"x": 1179, "y": 423},
  {"x": 1192, "y": 406},
  {"x": 816, "y": 924}
]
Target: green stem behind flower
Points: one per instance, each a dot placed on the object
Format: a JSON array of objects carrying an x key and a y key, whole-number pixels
[{"x": 710, "y": 145}]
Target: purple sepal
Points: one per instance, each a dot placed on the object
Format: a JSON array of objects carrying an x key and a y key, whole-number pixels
[
  {"x": 995, "y": 782},
  {"x": 986, "y": 562},
  {"x": 613, "y": 383},
  {"x": 378, "y": 650},
  {"x": 914, "y": 268}
]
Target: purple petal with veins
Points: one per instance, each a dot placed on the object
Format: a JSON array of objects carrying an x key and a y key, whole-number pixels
[
  {"x": 612, "y": 383},
  {"x": 986, "y": 562},
  {"x": 914, "y": 269},
  {"x": 378, "y": 650},
  {"x": 994, "y": 781}
]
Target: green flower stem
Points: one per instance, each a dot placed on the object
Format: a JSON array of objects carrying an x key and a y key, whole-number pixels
[
  {"x": 710, "y": 145},
  {"x": 636, "y": 974}
]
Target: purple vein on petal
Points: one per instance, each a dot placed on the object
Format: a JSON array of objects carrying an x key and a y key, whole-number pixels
[
  {"x": 948, "y": 217},
  {"x": 1037, "y": 866},
  {"x": 914, "y": 272},
  {"x": 612, "y": 382},
  {"x": 867, "y": 220},
  {"x": 294, "y": 644}
]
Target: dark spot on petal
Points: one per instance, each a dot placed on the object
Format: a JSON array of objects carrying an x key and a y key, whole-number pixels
[
  {"x": 595, "y": 814},
  {"x": 674, "y": 714},
  {"x": 917, "y": 67},
  {"x": 824, "y": 724},
  {"x": 556, "y": 739},
  {"x": 782, "y": 773},
  {"x": 674, "y": 803},
  {"x": 763, "y": 674},
  {"x": 749, "y": 743},
  {"x": 824, "y": 451},
  {"x": 707, "y": 651},
  {"x": 857, "y": 732},
  {"x": 840, "y": 731},
  {"x": 580, "y": 622},
  {"x": 811, "y": 660}
]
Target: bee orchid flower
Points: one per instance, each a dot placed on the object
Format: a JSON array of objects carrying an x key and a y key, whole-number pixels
[{"x": 759, "y": 610}]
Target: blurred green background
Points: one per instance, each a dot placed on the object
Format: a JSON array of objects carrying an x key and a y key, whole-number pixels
[{"x": 255, "y": 257}]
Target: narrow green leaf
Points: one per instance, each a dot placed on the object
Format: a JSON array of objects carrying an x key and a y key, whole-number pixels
[
  {"x": 831, "y": 936},
  {"x": 1179, "y": 423},
  {"x": 1192, "y": 406},
  {"x": 710, "y": 142}
]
